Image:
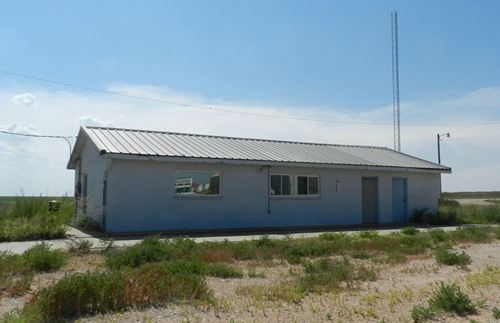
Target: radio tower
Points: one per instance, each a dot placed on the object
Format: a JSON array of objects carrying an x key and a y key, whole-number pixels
[{"x": 395, "y": 81}]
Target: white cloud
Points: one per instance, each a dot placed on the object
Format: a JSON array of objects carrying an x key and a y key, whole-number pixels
[
  {"x": 93, "y": 121},
  {"x": 26, "y": 99},
  {"x": 41, "y": 163}
]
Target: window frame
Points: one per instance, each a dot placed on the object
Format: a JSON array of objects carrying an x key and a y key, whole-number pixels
[
  {"x": 198, "y": 196},
  {"x": 294, "y": 189}
]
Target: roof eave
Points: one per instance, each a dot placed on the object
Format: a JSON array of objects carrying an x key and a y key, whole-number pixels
[{"x": 122, "y": 156}]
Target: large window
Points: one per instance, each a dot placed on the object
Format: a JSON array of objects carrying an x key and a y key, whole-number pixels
[
  {"x": 294, "y": 185},
  {"x": 197, "y": 183}
]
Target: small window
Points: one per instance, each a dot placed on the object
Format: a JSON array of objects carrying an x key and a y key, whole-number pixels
[
  {"x": 197, "y": 183},
  {"x": 281, "y": 185},
  {"x": 294, "y": 185}
]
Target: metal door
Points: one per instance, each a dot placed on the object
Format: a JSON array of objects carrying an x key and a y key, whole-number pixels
[
  {"x": 399, "y": 200},
  {"x": 370, "y": 200}
]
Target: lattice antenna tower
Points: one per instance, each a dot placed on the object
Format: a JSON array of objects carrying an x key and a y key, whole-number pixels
[{"x": 395, "y": 82}]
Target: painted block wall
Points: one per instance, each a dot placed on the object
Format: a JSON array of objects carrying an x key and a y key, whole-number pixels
[
  {"x": 140, "y": 197},
  {"x": 94, "y": 165}
]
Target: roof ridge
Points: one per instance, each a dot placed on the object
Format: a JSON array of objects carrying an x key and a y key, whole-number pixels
[{"x": 237, "y": 138}]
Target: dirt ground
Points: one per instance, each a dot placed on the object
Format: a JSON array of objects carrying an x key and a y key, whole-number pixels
[{"x": 389, "y": 298}]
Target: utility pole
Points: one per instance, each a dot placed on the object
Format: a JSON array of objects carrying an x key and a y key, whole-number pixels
[
  {"x": 395, "y": 81},
  {"x": 439, "y": 144}
]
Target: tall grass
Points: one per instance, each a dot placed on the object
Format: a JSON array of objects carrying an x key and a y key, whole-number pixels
[{"x": 29, "y": 218}]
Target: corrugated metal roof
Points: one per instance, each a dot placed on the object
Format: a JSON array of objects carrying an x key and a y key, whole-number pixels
[{"x": 169, "y": 144}]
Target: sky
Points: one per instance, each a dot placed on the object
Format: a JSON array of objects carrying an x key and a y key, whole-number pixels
[{"x": 328, "y": 60}]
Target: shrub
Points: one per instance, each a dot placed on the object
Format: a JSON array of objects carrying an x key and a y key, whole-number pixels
[
  {"x": 222, "y": 271},
  {"x": 420, "y": 314},
  {"x": 496, "y": 313},
  {"x": 87, "y": 223},
  {"x": 419, "y": 215},
  {"x": 438, "y": 235},
  {"x": 42, "y": 258},
  {"x": 446, "y": 257},
  {"x": 326, "y": 274},
  {"x": 450, "y": 298},
  {"x": 361, "y": 254},
  {"x": 95, "y": 292},
  {"x": 253, "y": 273},
  {"x": 29, "y": 218},
  {"x": 473, "y": 234},
  {"x": 410, "y": 231},
  {"x": 151, "y": 249}
]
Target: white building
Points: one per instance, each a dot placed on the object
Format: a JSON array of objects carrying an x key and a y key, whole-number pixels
[{"x": 152, "y": 181}]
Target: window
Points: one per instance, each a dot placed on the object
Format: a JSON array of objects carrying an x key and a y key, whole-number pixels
[
  {"x": 197, "y": 183},
  {"x": 294, "y": 185}
]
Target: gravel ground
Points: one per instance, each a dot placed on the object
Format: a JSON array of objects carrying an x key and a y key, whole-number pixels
[{"x": 390, "y": 298}]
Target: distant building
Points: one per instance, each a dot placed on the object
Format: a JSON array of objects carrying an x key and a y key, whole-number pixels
[{"x": 152, "y": 181}]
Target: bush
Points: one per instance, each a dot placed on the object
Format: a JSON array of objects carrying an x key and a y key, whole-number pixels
[
  {"x": 420, "y": 314},
  {"x": 29, "y": 218},
  {"x": 419, "y": 215},
  {"x": 410, "y": 231},
  {"x": 151, "y": 249},
  {"x": 97, "y": 292},
  {"x": 42, "y": 258},
  {"x": 450, "y": 298},
  {"x": 87, "y": 223},
  {"x": 326, "y": 274},
  {"x": 496, "y": 313},
  {"x": 446, "y": 257}
]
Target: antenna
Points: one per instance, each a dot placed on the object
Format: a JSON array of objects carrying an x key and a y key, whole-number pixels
[{"x": 395, "y": 81}]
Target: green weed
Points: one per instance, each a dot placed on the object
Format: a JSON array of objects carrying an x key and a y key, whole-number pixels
[
  {"x": 449, "y": 298},
  {"x": 42, "y": 258},
  {"x": 420, "y": 314},
  {"x": 446, "y": 257}
]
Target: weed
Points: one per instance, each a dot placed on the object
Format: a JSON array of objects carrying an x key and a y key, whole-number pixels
[
  {"x": 449, "y": 258},
  {"x": 42, "y": 258},
  {"x": 151, "y": 249},
  {"x": 496, "y": 313},
  {"x": 450, "y": 298},
  {"x": 29, "y": 218},
  {"x": 87, "y": 223},
  {"x": 326, "y": 274},
  {"x": 487, "y": 277},
  {"x": 420, "y": 314},
  {"x": 411, "y": 231},
  {"x": 284, "y": 291},
  {"x": 83, "y": 293},
  {"x": 253, "y": 273},
  {"x": 80, "y": 246},
  {"x": 361, "y": 254}
]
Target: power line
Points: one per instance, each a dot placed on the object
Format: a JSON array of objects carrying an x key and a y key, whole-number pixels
[
  {"x": 65, "y": 138},
  {"x": 217, "y": 109}
]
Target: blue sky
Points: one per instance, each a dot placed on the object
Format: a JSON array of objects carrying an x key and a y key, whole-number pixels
[
  {"x": 328, "y": 53},
  {"x": 330, "y": 59}
]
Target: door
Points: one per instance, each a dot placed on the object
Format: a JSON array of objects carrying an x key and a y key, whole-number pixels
[
  {"x": 370, "y": 200},
  {"x": 399, "y": 200}
]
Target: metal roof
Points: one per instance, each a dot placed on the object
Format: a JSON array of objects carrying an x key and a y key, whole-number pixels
[{"x": 169, "y": 144}]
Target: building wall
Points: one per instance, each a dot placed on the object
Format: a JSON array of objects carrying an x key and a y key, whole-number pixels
[
  {"x": 140, "y": 197},
  {"x": 94, "y": 165}
]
